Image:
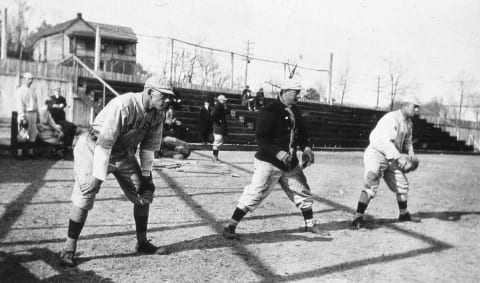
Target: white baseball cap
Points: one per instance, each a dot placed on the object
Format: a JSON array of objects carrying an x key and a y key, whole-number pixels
[
  {"x": 160, "y": 84},
  {"x": 410, "y": 99},
  {"x": 289, "y": 84},
  {"x": 221, "y": 97},
  {"x": 28, "y": 75}
]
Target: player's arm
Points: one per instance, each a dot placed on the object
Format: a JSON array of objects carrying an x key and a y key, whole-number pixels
[
  {"x": 383, "y": 138},
  {"x": 20, "y": 105},
  {"x": 108, "y": 134},
  {"x": 304, "y": 143}
]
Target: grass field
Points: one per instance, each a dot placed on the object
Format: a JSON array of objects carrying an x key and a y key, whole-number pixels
[{"x": 193, "y": 200}]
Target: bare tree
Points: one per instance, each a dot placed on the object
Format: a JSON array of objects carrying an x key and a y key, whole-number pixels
[
  {"x": 398, "y": 79},
  {"x": 474, "y": 102},
  {"x": 18, "y": 31},
  {"x": 463, "y": 85}
]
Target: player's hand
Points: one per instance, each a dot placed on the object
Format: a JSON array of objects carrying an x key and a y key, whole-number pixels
[
  {"x": 92, "y": 186},
  {"x": 308, "y": 158},
  {"x": 402, "y": 162},
  {"x": 146, "y": 190}
]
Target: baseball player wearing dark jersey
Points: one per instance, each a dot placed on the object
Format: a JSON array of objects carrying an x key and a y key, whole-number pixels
[
  {"x": 383, "y": 157},
  {"x": 279, "y": 131},
  {"x": 219, "y": 121},
  {"x": 127, "y": 121}
]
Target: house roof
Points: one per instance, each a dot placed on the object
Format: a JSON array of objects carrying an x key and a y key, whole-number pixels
[{"x": 107, "y": 31}]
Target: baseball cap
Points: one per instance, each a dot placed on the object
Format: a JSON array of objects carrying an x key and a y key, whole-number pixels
[
  {"x": 291, "y": 85},
  {"x": 159, "y": 84},
  {"x": 410, "y": 99},
  {"x": 221, "y": 97},
  {"x": 27, "y": 75}
]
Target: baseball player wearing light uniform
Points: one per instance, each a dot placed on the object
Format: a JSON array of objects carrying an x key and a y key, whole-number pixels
[
  {"x": 127, "y": 121},
  {"x": 279, "y": 131},
  {"x": 219, "y": 122},
  {"x": 383, "y": 157},
  {"x": 27, "y": 108}
]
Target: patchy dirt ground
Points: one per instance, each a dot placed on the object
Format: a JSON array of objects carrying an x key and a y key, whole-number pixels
[{"x": 195, "y": 197}]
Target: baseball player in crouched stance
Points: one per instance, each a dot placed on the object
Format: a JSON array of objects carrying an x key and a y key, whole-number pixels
[
  {"x": 279, "y": 131},
  {"x": 388, "y": 155},
  {"x": 127, "y": 121}
]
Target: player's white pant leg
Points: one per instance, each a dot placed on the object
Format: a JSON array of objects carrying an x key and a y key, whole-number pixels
[
  {"x": 264, "y": 179},
  {"x": 82, "y": 167},
  {"x": 31, "y": 118},
  {"x": 396, "y": 180},
  {"x": 127, "y": 172},
  {"x": 294, "y": 184},
  {"x": 217, "y": 141},
  {"x": 375, "y": 163}
]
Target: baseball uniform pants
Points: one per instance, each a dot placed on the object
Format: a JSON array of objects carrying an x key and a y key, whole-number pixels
[
  {"x": 264, "y": 179},
  {"x": 376, "y": 167}
]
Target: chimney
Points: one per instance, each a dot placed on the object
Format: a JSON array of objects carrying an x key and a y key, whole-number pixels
[{"x": 79, "y": 15}]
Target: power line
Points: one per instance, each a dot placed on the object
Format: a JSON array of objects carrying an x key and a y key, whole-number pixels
[{"x": 246, "y": 56}]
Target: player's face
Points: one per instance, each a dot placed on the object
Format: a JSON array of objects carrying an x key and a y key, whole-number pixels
[
  {"x": 158, "y": 100},
  {"x": 291, "y": 96},
  {"x": 28, "y": 81},
  {"x": 411, "y": 109}
]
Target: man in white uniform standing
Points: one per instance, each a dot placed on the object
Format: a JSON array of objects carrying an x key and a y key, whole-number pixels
[
  {"x": 385, "y": 156},
  {"x": 127, "y": 121},
  {"x": 27, "y": 109}
]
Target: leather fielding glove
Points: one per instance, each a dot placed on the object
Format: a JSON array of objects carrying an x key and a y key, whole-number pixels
[
  {"x": 92, "y": 186},
  {"x": 146, "y": 190},
  {"x": 308, "y": 158},
  {"x": 411, "y": 164}
]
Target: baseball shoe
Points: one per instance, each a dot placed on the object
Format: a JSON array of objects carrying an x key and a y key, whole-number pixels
[
  {"x": 67, "y": 258},
  {"x": 407, "y": 217},
  {"x": 229, "y": 233},
  {"x": 315, "y": 229},
  {"x": 149, "y": 248},
  {"x": 358, "y": 223}
]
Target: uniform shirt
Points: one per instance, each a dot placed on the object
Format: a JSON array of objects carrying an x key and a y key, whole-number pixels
[
  {"x": 124, "y": 124},
  {"x": 392, "y": 135},
  {"x": 26, "y": 101},
  {"x": 219, "y": 119},
  {"x": 279, "y": 129},
  {"x": 58, "y": 114}
]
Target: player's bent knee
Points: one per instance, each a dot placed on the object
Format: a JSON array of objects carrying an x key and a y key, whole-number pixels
[{"x": 371, "y": 192}]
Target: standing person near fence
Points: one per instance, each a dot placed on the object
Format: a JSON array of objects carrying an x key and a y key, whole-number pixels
[
  {"x": 127, "y": 121},
  {"x": 280, "y": 130},
  {"x": 389, "y": 156},
  {"x": 27, "y": 108},
  {"x": 219, "y": 121}
]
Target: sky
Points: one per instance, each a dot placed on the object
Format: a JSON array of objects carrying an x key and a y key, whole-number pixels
[{"x": 434, "y": 41}]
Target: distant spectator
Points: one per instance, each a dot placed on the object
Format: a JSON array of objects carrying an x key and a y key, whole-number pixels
[
  {"x": 58, "y": 113},
  {"x": 48, "y": 131},
  {"x": 173, "y": 127},
  {"x": 259, "y": 99},
  {"x": 251, "y": 101},
  {"x": 245, "y": 94},
  {"x": 219, "y": 120},
  {"x": 27, "y": 108},
  {"x": 205, "y": 122},
  {"x": 58, "y": 106}
]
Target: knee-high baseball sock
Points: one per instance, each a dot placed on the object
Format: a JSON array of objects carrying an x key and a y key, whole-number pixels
[
  {"x": 78, "y": 216},
  {"x": 362, "y": 204},
  {"x": 140, "y": 213},
  {"x": 215, "y": 153},
  {"x": 308, "y": 217},
  {"x": 237, "y": 216},
  {"x": 402, "y": 203}
]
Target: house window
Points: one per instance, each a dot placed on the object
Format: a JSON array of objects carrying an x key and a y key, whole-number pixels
[
  {"x": 104, "y": 47},
  {"x": 121, "y": 49}
]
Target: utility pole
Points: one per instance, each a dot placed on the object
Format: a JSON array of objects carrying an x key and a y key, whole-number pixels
[
  {"x": 247, "y": 60},
  {"x": 4, "y": 35},
  {"x": 171, "y": 60},
  {"x": 330, "y": 80},
  {"x": 378, "y": 90},
  {"x": 231, "y": 81},
  {"x": 98, "y": 46}
]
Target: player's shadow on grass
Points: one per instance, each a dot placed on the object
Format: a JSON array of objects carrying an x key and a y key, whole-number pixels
[{"x": 447, "y": 215}]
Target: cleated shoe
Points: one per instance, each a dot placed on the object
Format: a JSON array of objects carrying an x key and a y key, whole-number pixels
[
  {"x": 67, "y": 258},
  {"x": 229, "y": 233},
  {"x": 315, "y": 229},
  {"x": 407, "y": 217},
  {"x": 149, "y": 248},
  {"x": 358, "y": 223}
]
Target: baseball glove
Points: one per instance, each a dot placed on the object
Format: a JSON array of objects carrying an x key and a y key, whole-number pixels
[{"x": 411, "y": 164}]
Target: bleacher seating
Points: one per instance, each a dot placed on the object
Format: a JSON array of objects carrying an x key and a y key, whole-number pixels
[{"x": 328, "y": 126}]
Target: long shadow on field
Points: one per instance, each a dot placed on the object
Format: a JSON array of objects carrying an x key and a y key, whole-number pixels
[
  {"x": 435, "y": 245},
  {"x": 16, "y": 171},
  {"x": 41, "y": 265}
]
